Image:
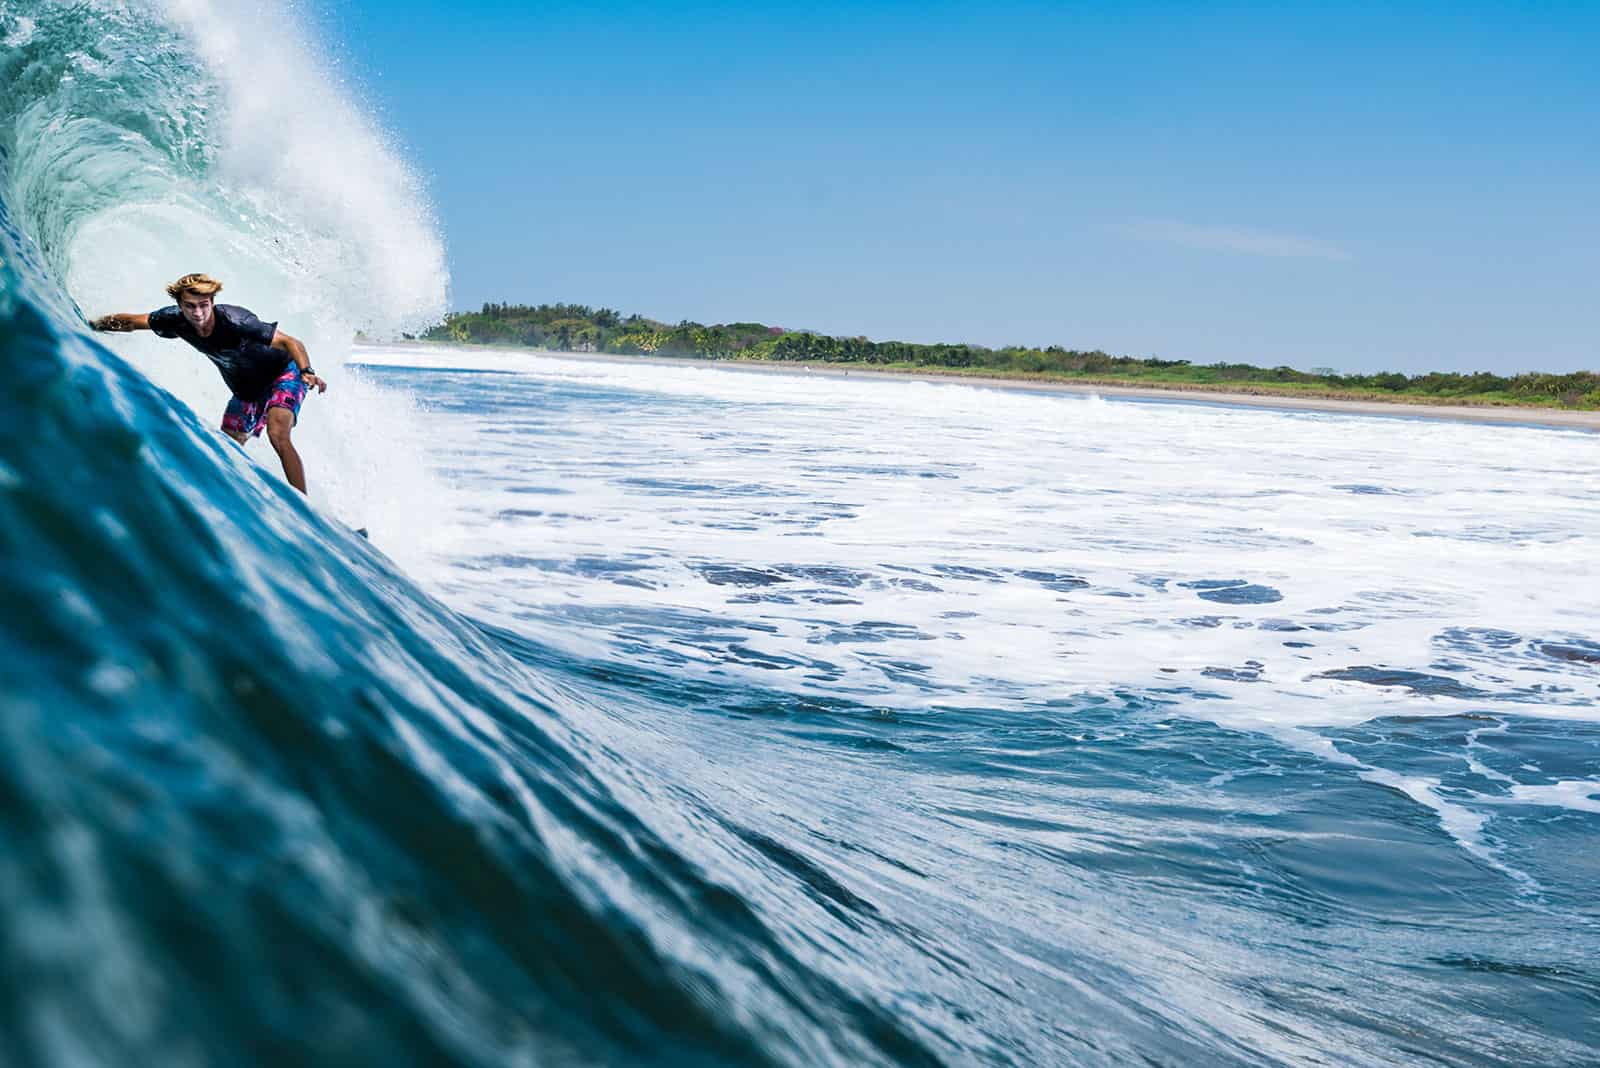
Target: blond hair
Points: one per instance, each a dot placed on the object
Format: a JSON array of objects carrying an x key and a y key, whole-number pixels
[{"x": 201, "y": 284}]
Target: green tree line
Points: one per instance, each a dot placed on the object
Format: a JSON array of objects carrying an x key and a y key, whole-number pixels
[{"x": 580, "y": 328}]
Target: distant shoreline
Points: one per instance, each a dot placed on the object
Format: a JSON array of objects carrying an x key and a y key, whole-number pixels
[{"x": 1502, "y": 414}]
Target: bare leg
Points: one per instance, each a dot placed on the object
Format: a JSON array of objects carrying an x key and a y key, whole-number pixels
[{"x": 280, "y": 421}]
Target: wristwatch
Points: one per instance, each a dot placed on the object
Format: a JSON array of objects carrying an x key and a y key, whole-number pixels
[{"x": 306, "y": 370}]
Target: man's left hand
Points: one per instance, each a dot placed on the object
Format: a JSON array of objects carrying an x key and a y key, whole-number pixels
[{"x": 314, "y": 381}]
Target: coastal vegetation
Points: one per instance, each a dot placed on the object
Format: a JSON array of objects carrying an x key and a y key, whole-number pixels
[{"x": 580, "y": 328}]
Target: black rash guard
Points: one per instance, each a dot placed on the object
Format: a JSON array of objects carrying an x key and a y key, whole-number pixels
[{"x": 239, "y": 344}]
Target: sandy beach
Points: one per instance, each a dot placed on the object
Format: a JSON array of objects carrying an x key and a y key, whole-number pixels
[{"x": 1507, "y": 415}]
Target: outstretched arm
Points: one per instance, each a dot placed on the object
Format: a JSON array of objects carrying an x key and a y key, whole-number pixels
[
  {"x": 121, "y": 323},
  {"x": 297, "y": 353}
]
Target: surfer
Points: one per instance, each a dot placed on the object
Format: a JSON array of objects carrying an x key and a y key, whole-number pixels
[{"x": 267, "y": 370}]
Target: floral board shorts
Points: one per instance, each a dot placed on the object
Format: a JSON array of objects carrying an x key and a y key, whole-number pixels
[{"x": 248, "y": 417}]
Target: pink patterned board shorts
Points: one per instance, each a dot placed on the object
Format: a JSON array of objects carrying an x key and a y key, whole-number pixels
[{"x": 248, "y": 417}]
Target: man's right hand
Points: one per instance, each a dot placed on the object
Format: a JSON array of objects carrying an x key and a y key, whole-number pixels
[{"x": 120, "y": 323}]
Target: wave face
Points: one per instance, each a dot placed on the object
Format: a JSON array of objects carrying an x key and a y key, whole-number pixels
[
  {"x": 693, "y": 795},
  {"x": 265, "y": 801}
]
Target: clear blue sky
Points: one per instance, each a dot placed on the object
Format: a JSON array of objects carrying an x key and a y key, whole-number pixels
[{"x": 1363, "y": 186}]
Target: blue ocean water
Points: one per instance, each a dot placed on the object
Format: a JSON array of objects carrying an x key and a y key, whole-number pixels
[{"x": 684, "y": 716}]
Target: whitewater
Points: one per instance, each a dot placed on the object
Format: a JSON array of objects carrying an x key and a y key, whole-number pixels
[{"x": 683, "y": 716}]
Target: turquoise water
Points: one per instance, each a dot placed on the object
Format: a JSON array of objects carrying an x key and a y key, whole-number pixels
[{"x": 678, "y": 716}]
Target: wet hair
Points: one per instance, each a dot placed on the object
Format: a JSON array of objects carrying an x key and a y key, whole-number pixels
[{"x": 200, "y": 284}]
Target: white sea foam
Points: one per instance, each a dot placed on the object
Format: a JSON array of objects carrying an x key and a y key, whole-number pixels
[
  {"x": 1399, "y": 545},
  {"x": 1579, "y": 794}
]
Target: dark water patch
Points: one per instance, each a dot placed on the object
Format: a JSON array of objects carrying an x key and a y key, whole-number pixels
[
  {"x": 1247, "y": 537},
  {"x": 1249, "y": 672},
  {"x": 828, "y": 575},
  {"x": 596, "y": 567},
  {"x": 769, "y": 661},
  {"x": 701, "y": 629},
  {"x": 672, "y": 487},
  {"x": 972, "y": 574},
  {"x": 1203, "y": 622},
  {"x": 909, "y": 673},
  {"x": 1573, "y": 652},
  {"x": 757, "y": 703},
  {"x": 915, "y": 585},
  {"x": 519, "y": 513},
  {"x": 1371, "y": 491},
  {"x": 906, "y": 665},
  {"x": 763, "y": 598},
  {"x": 1419, "y": 683},
  {"x": 1052, "y": 580},
  {"x": 871, "y": 632},
  {"x": 544, "y": 491},
  {"x": 1178, "y": 694},
  {"x": 513, "y": 431},
  {"x": 866, "y": 469},
  {"x": 846, "y": 739},
  {"x": 1583, "y": 980},
  {"x": 1476, "y": 639},
  {"x": 1298, "y": 645},
  {"x": 732, "y": 575},
  {"x": 1283, "y": 626},
  {"x": 1237, "y": 593},
  {"x": 858, "y": 847}
]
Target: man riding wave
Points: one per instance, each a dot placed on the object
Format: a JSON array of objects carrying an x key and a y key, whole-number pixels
[{"x": 267, "y": 370}]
